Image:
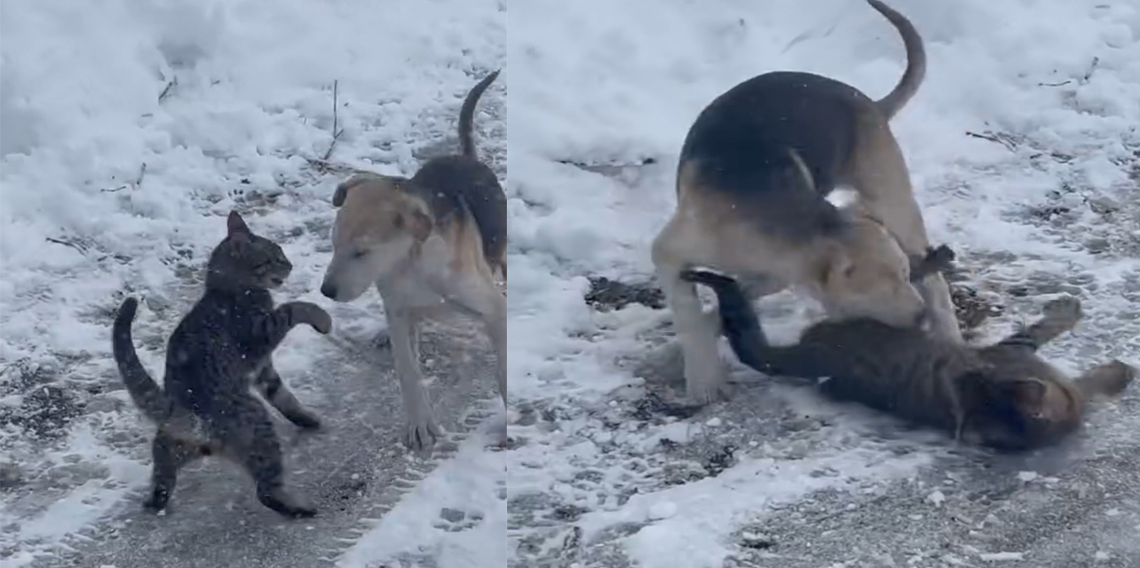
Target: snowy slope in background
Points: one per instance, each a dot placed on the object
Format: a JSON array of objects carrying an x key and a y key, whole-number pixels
[
  {"x": 129, "y": 130},
  {"x": 1042, "y": 201}
]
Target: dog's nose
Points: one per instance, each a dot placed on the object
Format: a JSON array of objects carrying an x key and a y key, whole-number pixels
[{"x": 328, "y": 290}]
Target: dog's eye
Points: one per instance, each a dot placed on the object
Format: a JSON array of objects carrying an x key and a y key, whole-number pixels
[{"x": 359, "y": 254}]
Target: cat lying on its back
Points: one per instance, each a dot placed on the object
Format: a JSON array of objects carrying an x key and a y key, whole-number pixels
[
  {"x": 1004, "y": 395},
  {"x": 221, "y": 349}
]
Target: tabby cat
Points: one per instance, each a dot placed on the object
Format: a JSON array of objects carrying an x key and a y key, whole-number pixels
[
  {"x": 219, "y": 350},
  {"x": 1003, "y": 396}
]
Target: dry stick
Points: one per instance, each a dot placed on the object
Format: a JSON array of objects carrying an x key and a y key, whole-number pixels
[
  {"x": 142, "y": 173},
  {"x": 134, "y": 185},
  {"x": 169, "y": 86},
  {"x": 74, "y": 245},
  {"x": 1095, "y": 62},
  {"x": 336, "y": 133},
  {"x": 992, "y": 138}
]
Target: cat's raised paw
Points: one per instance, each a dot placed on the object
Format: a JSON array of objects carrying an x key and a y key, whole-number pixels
[
  {"x": 315, "y": 316},
  {"x": 1067, "y": 309}
]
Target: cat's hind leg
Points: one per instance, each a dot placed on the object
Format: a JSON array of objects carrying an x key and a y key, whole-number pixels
[
  {"x": 248, "y": 438},
  {"x": 270, "y": 386},
  {"x": 170, "y": 455}
]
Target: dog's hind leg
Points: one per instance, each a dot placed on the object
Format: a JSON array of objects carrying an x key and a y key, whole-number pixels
[
  {"x": 482, "y": 299},
  {"x": 696, "y": 331},
  {"x": 880, "y": 175}
]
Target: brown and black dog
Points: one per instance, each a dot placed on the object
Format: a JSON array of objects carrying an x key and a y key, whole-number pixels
[
  {"x": 434, "y": 241},
  {"x": 755, "y": 173}
]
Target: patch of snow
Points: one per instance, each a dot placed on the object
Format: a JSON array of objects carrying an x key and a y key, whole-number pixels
[
  {"x": 936, "y": 498},
  {"x": 1001, "y": 556},
  {"x": 471, "y": 483},
  {"x": 131, "y": 127},
  {"x": 989, "y": 146}
]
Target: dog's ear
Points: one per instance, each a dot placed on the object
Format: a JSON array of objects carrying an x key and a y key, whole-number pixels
[
  {"x": 415, "y": 220},
  {"x": 358, "y": 178},
  {"x": 341, "y": 193},
  {"x": 236, "y": 229},
  {"x": 837, "y": 267},
  {"x": 419, "y": 224}
]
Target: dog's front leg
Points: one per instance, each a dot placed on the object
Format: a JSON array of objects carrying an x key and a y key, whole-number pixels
[
  {"x": 697, "y": 333},
  {"x": 935, "y": 293},
  {"x": 422, "y": 430}
]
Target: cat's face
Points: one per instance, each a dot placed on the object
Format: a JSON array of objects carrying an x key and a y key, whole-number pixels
[
  {"x": 245, "y": 260},
  {"x": 1027, "y": 411}
]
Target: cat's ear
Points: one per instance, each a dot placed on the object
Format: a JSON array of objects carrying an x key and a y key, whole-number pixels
[
  {"x": 236, "y": 227},
  {"x": 1028, "y": 393}
]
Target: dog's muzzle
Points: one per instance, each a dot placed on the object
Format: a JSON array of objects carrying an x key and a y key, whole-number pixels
[{"x": 329, "y": 290}]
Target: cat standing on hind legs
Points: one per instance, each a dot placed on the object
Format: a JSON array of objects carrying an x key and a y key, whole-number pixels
[{"x": 220, "y": 350}]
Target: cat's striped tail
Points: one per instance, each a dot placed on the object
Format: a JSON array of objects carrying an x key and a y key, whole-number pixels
[{"x": 148, "y": 396}]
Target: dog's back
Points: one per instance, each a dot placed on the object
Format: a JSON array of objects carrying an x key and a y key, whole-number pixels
[
  {"x": 459, "y": 186},
  {"x": 778, "y": 143},
  {"x": 750, "y": 142}
]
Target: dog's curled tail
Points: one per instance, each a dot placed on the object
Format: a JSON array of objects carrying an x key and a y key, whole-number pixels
[
  {"x": 915, "y": 61},
  {"x": 146, "y": 393},
  {"x": 467, "y": 115}
]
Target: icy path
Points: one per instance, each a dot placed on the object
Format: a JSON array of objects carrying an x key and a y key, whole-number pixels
[
  {"x": 130, "y": 129},
  {"x": 1024, "y": 147}
]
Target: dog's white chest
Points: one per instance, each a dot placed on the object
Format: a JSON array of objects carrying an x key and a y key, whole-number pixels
[{"x": 411, "y": 292}]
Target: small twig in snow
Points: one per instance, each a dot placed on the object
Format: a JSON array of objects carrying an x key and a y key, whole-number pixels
[
  {"x": 142, "y": 173},
  {"x": 68, "y": 243},
  {"x": 169, "y": 87},
  {"x": 1055, "y": 84},
  {"x": 337, "y": 131},
  {"x": 994, "y": 138},
  {"x": 133, "y": 185},
  {"x": 1092, "y": 67}
]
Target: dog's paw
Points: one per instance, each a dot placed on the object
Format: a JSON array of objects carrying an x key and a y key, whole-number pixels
[
  {"x": 422, "y": 434},
  {"x": 708, "y": 393},
  {"x": 1066, "y": 310}
]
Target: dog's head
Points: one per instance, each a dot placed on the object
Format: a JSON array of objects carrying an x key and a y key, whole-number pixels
[
  {"x": 244, "y": 260},
  {"x": 866, "y": 274},
  {"x": 379, "y": 227}
]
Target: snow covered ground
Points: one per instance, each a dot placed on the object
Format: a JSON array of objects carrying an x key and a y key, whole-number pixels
[
  {"x": 130, "y": 128},
  {"x": 1024, "y": 148}
]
